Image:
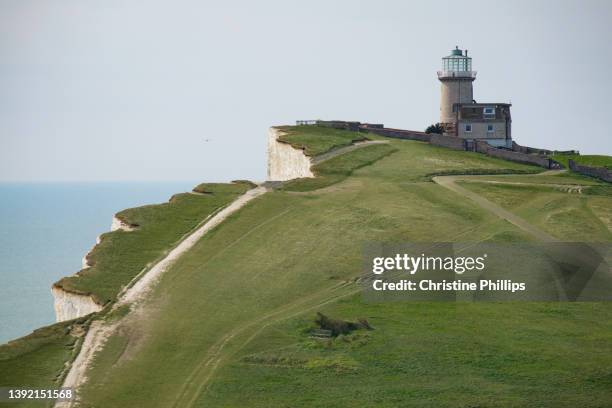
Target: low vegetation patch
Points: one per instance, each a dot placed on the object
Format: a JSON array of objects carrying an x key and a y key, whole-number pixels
[
  {"x": 340, "y": 167},
  {"x": 340, "y": 327},
  {"x": 235, "y": 187},
  {"x": 122, "y": 255},
  {"x": 474, "y": 172},
  {"x": 592, "y": 160},
  {"x": 315, "y": 140}
]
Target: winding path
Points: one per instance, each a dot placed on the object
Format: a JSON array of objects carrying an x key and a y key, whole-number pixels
[{"x": 449, "y": 182}]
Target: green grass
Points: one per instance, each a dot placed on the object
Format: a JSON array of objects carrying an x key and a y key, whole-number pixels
[
  {"x": 37, "y": 360},
  {"x": 428, "y": 355},
  {"x": 586, "y": 160},
  {"x": 565, "y": 177},
  {"x": 315, "y": 140},
  {"x": 233, "y": 309},
  {"x": 237, "y": 186},
  {"x": 567, "y": 216},
  {"x": 485, "y": 171},
  {"x": 227, "y": 324},
  {"x": 121, "y": 255},
  {"x": 340, "y": 167}
]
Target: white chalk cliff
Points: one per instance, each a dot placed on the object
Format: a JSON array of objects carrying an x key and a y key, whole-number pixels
[
  {"x": 285, "y": 162},
  {"x": 70, "y": 305},
  {"x": 117, "y": 224}
]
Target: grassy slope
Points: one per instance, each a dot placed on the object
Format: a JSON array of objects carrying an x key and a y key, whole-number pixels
[
  {"x": 566, "y": 216},
  {"x": 568, "y": 178},
  {"x": 587, "y": 160},
  {"x": 428, "y": 355},
  {"x": 318, "y": 139},
  {"x": 224, "y": 328},
  {"x": 340, "y": 167},
  {"x": 122, "y": 255},
  {"x": 37, "y": 360}
]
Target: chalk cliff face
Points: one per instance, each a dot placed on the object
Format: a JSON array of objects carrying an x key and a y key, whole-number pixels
[
  {"x": 117, "y": 224},
  {"x": 284, "y": 161},
  {"x": 71, "y": 305}
]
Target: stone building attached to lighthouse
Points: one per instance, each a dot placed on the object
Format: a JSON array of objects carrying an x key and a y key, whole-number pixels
[{"x": 461, "y": 115}]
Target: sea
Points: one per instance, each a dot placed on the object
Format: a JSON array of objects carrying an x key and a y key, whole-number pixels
[{"x": 46, "y": 229}]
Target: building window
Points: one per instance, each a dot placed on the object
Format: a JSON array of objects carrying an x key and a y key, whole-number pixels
[
  {"x": 468, "y": 127},
  {"x": 488, "y": 112},
  {"x": 490, "y": 129}
]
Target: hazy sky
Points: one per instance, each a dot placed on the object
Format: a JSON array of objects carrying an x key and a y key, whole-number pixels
[{"x": 131, "y": 90}]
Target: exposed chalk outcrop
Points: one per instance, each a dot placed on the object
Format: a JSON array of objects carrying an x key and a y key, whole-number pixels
[
  {"x": 117, "y": 224},
  {"x": 284, "y": 161},
  {"x": 70, "y": 305}
]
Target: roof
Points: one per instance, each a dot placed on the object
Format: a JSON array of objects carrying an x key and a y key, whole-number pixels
[{"x": 481, "y": 104}]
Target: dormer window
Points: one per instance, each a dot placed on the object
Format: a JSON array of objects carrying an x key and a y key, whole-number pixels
[{"x": 488, "y": 112}]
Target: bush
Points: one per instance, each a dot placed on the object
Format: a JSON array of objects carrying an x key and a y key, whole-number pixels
[
  {"x": 339, "y": 327},
  {"x": 435, "y": 128}
]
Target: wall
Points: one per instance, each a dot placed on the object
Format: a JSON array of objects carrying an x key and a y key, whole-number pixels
[
  {"x": 284, "y": 161},
  {"x": 526, "y": 149},
  {"x": 598, "y": 172},
  {"x": 451, "y": 142},
  {"x": 483, "y": 147},
  {"x": 397, "y": 133}
]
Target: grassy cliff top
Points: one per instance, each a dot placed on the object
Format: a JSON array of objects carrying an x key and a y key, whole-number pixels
[
  {"x": 592, "y": 160},
  {"x": 122, "y": 255},
  {"x": 315, "y": 140}
]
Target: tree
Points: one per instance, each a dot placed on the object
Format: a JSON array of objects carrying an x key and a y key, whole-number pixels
[{"x": 437, "y": 128}]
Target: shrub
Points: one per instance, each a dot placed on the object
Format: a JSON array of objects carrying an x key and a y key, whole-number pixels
[
  {"x": 435, "y": 128},
  {"x": 339, "y": 327}
]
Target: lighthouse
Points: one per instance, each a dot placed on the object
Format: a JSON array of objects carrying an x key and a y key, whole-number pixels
[
  {"x": 460, "y": 114},
  {"x": 456, "y": 80}
]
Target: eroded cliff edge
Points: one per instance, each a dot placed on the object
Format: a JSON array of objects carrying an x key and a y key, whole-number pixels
[
  {"x": 139, "y": 238},
  {"x": 285, "y": 162},
  {"x": 71, "y": 305}
]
